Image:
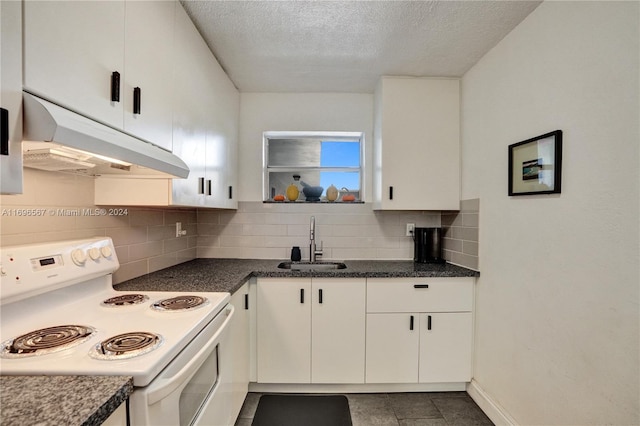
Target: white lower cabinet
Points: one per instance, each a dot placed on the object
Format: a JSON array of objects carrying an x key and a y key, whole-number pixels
[
  {"x": 392, "y": 349},
  {"x": 337, "y": 330},
  {"x": 445, "y": 347},
  {"x": 240, "y": 344},
  {"x": 310, "y": 330},
  {"x": 413, "y": 345},
  {"x": 284, "y": 330},
  {"x": 364, "y": 331}
]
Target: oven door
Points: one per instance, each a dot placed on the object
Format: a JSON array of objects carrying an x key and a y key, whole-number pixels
[{"x": 195, "y": 388}]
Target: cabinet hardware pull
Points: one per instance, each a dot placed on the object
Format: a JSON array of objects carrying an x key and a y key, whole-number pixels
[
  {"x": 209, "y": 187},
  {"x": 319, "y": 295},
  {"x": 136, "y": 100},
  {"x": 246, "y": 301},
  {"x": 201, "y": 185},
  {"x": 302, "y": 295},
  {"x": 4, "y": 131},
  {"x": 428, "y": 322},
  {"x": 115, "y": 86},
  {"x": 230, "y": 192},
  {"x": 411, "y": 323},
  {"x": 421, "y": 286},
  {"x": 391, "y": 192}
]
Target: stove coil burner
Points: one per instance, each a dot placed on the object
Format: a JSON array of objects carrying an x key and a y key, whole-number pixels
[
  {"x": 125, "y": 300},
  {"x": 180, "y": 303},
  {"x": 46, "y": 341},
  {"x": 126, "y": 345}
]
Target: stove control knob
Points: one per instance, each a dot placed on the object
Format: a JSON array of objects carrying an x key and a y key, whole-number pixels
[
  {"x": 106, "y": 251},
  {"x": 94, "y": 253},
  {"x": 79, "y": 257}
]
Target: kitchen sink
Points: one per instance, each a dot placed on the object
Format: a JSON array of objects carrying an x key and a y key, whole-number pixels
[{"x": 311, "y": 266}]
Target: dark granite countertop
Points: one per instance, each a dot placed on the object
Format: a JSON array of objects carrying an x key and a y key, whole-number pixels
[
  {"x": 61, "y": 400},
  {"x": 228, "y": 275}
]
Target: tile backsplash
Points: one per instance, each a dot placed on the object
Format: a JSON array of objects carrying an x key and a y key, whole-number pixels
[
  {"x": 461, "y": 234},
  {"x": 145, "y": 238},
  {"x": 347, "y": 231}
]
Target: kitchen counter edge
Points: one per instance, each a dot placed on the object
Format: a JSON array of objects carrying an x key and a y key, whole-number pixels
[
  {"x": 56, "y": 400},
  {"x": 228, "y": 275}
]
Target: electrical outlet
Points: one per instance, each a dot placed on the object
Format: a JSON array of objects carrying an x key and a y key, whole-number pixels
[
  {"x": 410, "y": 228},
  {"x": 179, "y": 231}
]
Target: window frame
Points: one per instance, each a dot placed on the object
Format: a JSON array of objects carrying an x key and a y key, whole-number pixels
[{"x": 329, "y": 136}]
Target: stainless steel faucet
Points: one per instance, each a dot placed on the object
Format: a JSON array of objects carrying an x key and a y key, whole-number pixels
[{"x": 314, "y": 253}]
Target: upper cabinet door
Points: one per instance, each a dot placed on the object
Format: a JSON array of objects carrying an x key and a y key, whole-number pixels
[
  {"x": 189, "y": 117},
  {"x": 71, "y": 49},
  {"x": 11, "y": 97},
  {"x": 148, "y": 55},
  {"x": 417, "y": 144}
]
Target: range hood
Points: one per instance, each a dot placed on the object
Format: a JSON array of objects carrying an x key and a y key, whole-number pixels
[{"x": 58, "y": 139}]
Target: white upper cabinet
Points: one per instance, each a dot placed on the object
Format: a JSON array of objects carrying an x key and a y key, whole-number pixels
[
  {"x": 11, "y": 97},
  {"x": 191, "y": 91},
  {"x": 417, "y": 144},
  {"x": 148, "y": 61},
  {"x": 205, "y": 109},
  {"x": 71, "y": 50},
  {"x": 90, "y": 56}
]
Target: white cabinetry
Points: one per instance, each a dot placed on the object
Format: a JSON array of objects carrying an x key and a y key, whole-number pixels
[
  {"x": 310, "y": 330},
  {"x": 240, "y": 345},
  {"x": 337, "y": 330},
  {"x": 284, "y": 330},
  {"x": 74, "y": 53},
  {"x": 445, "y": 347},
  {"x": 149, "y": 63},
  {"x": 206, "y": 108},
  {"x": 419, "y": 330},
  {"x": 11, "y": 96},
  {"x": 417, "y": 144},
  {"x": 71, "y": 50}
]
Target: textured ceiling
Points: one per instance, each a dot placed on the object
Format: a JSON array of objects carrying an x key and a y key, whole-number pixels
[{"x": 345, "y": 46}]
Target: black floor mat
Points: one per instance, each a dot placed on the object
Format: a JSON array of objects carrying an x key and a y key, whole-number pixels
[{"x": 302, "y": 410}]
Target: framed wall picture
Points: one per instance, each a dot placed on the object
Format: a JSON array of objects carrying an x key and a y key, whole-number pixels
[{"x": 535, "y": 165}]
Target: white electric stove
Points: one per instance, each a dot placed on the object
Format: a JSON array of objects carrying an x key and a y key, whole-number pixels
[{"x": 60, "y": 316}]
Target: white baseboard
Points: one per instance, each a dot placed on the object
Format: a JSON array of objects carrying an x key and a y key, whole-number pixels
[
  {"x": 491, "y": 408},
  {"x": 355, "y": 388}
]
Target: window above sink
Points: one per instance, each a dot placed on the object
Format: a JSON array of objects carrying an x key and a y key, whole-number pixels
[{"x": 313, "y": 159}]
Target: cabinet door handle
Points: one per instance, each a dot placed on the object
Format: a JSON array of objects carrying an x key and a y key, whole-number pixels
[
  {"x": 115, "y": 86},
  {"x": 230, "y": 192},
  {"x": 428, "y": 322},
  {"x": 411, "y": 323},
  {"x": 246, "y": 302},
  {"x": 137, "y": 95},
  {"x": 319, "y": 295},
  {"x": 209, "y": 187},
  {"x": 391, "y": 192},
  {"x": 302, "y": 295},
  {"x": 4, "y": 131},
  {"x": 421, "y": 286},
  {"x": 201, "y": 185}
]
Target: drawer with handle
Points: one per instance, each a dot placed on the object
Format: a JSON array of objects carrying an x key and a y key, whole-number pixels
[{"x": 419, "y": 294}]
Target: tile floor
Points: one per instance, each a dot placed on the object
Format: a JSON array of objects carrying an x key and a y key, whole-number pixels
[{"x": 399, "y": 409}]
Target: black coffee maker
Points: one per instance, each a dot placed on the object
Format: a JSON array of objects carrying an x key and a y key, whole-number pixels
[{"x": 427, "y": 245}]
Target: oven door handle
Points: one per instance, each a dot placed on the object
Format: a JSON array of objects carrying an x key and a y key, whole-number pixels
[{"x": 164, "y": 386}]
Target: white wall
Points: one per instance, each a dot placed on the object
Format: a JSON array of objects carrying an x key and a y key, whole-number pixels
[
  {"x": 557, "y": 324},
  {"x": 260, "y": 112}
]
